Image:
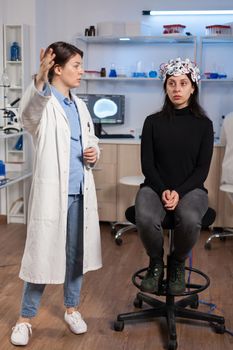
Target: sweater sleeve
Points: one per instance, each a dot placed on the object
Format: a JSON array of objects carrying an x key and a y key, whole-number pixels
[
  {"x": 149, "y": 170},
  {"x": 201, "y": 171}
]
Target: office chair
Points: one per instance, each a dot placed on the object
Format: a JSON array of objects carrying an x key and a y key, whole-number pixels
[{"x": 170, "y": 309}]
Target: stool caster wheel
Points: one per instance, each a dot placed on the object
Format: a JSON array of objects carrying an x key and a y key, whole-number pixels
[
  {"x": 118, "y": 241},
  {"x": 208, "y": 246},
  {"x": 137, "y": 303},
  {"x": 222, "y": 239},
  {"x": 172, "y": 345},
  {"x": 195, "y": 303},
  {"x": 119, "y": 326},
  {"x": 219, "y": 328}
]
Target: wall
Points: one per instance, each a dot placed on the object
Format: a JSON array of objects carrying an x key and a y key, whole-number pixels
[{"x": 52, "y": 20}]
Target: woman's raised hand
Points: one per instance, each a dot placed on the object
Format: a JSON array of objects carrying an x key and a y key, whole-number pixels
[{"x": 46, "y": 63}]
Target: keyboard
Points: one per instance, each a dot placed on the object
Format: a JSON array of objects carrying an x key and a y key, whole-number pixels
[{"x": 116, "y": 136}]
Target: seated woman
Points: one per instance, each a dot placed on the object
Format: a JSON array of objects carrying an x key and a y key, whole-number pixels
[{"x": 176, "y": 151}]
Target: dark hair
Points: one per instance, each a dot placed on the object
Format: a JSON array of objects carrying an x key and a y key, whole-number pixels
[
  {"x": 63, "y": 51},
  {"x": 168, "y": 108}
]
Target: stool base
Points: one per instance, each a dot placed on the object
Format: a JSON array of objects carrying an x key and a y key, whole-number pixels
[{"x": 169, "y": 309}]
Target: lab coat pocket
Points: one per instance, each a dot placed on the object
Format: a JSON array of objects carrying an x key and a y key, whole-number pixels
[{"x": 46, "y": 201}]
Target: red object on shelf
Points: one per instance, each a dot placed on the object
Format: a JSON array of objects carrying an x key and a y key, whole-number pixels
[
  {"x": 173, "y": 28},
  {"x": 218, "y": 29}
]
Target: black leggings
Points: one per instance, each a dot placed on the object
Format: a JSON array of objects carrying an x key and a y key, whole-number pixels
[{"x": 188, "y": 214}]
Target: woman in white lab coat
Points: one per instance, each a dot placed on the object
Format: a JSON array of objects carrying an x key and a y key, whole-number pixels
[{"x": 63, "y": 238}]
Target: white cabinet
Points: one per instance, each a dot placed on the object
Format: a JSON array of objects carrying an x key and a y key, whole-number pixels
[
  {"x": 117, "y": 160},
  {"x": 18, "y": 172},
  {"x": 18, "y": 70},
  {"x": 15, "y": 149},
  {"x": 105, "y": 175}
]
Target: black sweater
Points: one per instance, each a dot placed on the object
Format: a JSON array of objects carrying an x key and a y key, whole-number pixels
[{"x": 176, "y": 152}]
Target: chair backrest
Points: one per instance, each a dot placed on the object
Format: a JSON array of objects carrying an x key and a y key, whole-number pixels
[{"x": 168, "y": 222}]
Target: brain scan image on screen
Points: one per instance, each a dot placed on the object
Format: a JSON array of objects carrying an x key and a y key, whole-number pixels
[{"x": 104, "y": 108}]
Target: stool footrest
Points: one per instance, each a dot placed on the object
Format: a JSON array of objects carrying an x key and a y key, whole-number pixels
[{"x": 196, "y": 288}]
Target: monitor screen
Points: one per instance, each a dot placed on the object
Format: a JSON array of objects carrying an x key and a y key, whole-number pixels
[{"x": 105, "y": 109}]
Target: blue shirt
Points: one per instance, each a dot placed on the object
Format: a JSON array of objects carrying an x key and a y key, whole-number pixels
[{"x": 76, "y": 173}]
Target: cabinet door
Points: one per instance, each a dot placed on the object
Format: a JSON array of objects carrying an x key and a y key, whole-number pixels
[
  {"x": 129, "y": 164},
  {"x": 105, "y": 181},
  {"x": 212, "y": 182},
  {"x": 225, "y": 205}
]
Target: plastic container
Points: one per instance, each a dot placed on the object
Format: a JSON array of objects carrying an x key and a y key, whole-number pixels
[
  {"x": 2, "y": 169},
  {"x": 91, "y": 74},
  {"x": 111, "y": 28},
  {"x": 218, "y": 29},
  {"x": 15, "y": 51},
  {"x": 173, "y": 29},
  {"x": 137, "y": 29}
]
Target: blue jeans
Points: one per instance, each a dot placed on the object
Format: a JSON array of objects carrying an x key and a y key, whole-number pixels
[{"x": 32, "y": 292}]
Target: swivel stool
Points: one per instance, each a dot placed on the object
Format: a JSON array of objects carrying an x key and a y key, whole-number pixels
[
  {"x": 132, "y": 181},
  {"x": 170, "y": 309}
]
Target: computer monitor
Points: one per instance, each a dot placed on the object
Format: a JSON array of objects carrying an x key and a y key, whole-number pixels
[{"x": 105, "y": 109}]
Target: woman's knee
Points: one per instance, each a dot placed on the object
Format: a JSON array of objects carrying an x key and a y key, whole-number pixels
[{"x": 189, "y": 219}]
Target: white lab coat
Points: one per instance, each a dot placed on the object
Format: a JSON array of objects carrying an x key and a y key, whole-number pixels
[
  {"x": 44, "y": 258},
  {"x": 227, "y": 163}
]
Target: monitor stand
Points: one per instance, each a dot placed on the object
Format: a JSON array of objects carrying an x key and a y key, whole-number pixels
[{"x": 98, "y": 129}]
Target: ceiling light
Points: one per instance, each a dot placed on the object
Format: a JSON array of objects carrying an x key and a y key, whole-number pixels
[{"x": 187, "y": 12}]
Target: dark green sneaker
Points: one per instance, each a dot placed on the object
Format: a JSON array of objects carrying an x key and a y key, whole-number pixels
[
  {"x": 153, "y": 279},
  {"x": 176, "y": 282}
]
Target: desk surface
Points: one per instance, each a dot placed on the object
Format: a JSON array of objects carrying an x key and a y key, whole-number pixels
[
  {"x": 135, "y": 141},
  {"x": 15, "y": 176},
  {"x": 121, "y": 141}
]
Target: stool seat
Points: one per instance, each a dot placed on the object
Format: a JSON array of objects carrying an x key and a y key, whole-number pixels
[{"x": 168, "y": 222}]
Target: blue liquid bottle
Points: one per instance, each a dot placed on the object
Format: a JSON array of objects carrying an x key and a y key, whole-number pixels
[
  {"x": 15, "y": 51},
  {"x": 112, "y": 73}
]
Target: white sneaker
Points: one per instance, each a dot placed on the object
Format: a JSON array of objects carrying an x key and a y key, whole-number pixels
[
  {"x": 21, "y": 333},
  {"x": 76, "y": 323}
]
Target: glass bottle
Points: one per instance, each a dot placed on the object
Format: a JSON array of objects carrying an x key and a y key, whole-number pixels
[
  {"x": 5, "y": 81},
  {"x": 92, "y": 31},
  {"x": 103, "y": 72},
  {"x": 15, "y": 51},
  {"x": 112, "y": 73}
]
